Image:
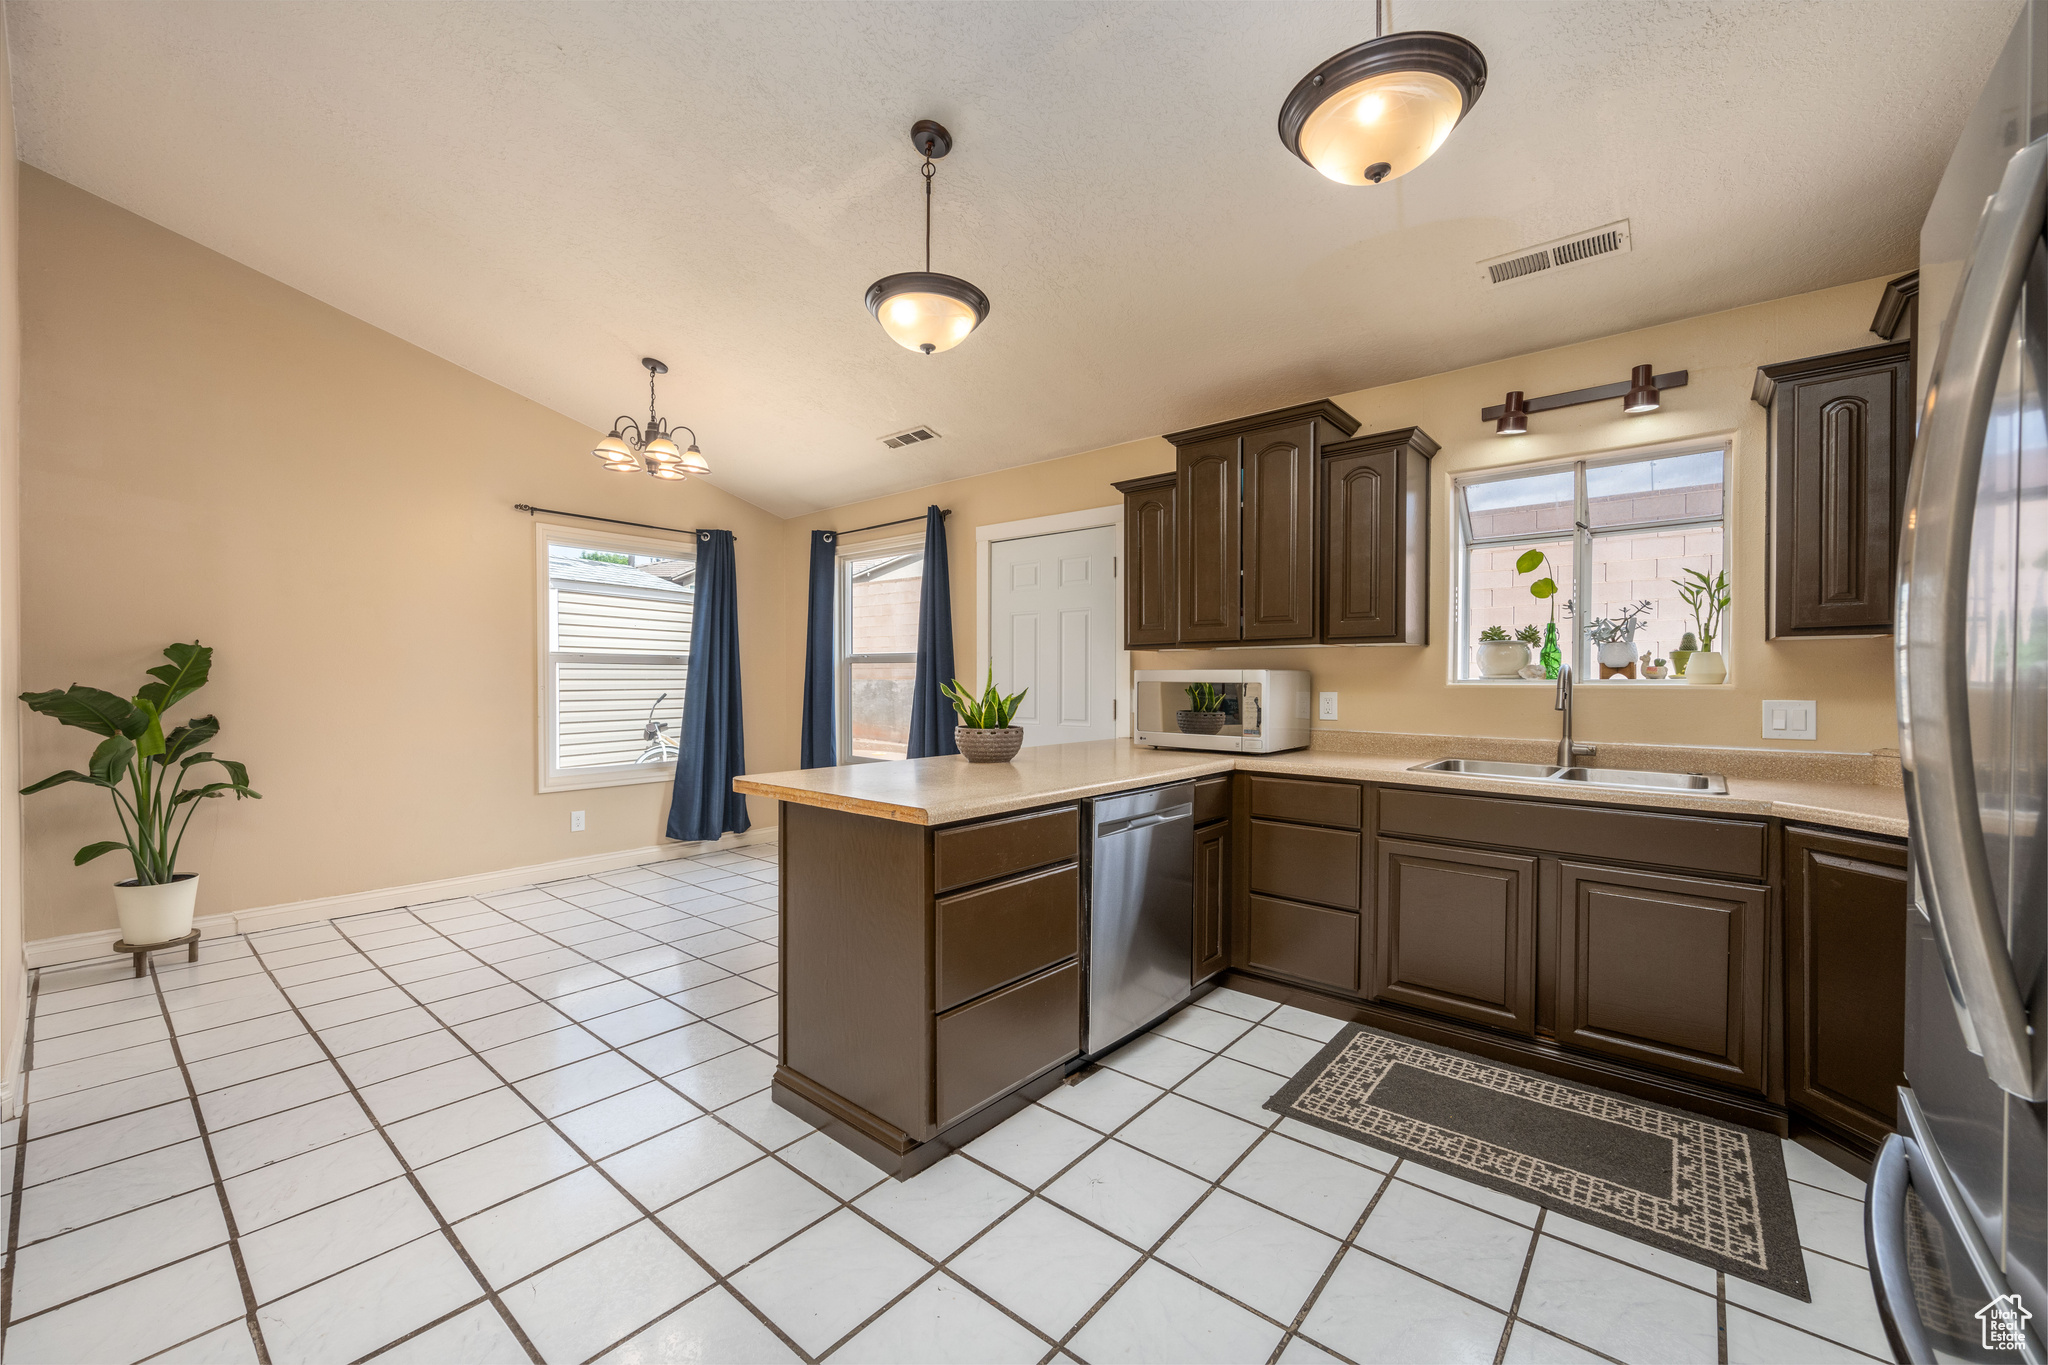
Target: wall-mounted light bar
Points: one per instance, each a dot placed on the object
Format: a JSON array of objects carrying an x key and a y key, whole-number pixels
[{"x": 1639, "y": 393}]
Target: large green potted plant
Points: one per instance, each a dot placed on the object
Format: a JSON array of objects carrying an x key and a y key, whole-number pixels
[
  {"x": 1708, "y": 598},
  {"x": 145, "y": 771},
  {"x": 985, "y": 734}
]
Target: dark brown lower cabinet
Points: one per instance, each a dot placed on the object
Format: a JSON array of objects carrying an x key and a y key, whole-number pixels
[
  {"x": 987, "y": 1048},
  {"x": 1299, "y": 862},
  {"x": 1307, "y": 942},
  {"x": 1212, "y": 899},
  {"x": 1664, "y": 971},
  {"x": 1457, "y": 933},
  {"x": 1845, "y": 979}
]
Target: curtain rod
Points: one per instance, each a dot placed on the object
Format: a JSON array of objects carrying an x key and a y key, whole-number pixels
[
  {"x": 585, "y": 516},
  {"x": 943, "y": 512}
]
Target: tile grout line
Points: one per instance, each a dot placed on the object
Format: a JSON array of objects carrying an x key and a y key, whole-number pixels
[
  {"x": 419, "y": 1190},
  {"x": 220, "y": 1189},
  {"x": 645, "y": 1213},
  {"x": 1721, "y": 1315},
  {"x": 1521, "y": 1287}
]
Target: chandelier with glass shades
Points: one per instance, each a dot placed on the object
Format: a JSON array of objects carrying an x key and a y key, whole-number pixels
[
  {"x": 651, "y": 449},
  {"x": 919, "y": 309}
]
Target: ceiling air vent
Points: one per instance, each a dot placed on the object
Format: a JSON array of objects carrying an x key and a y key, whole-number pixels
[
  {"x": 910, "y": 437},
  {"x": 1561, "y": 254}
]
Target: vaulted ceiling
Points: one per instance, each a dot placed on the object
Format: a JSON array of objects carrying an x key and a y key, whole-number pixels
[{"x": 545, "y": 192}]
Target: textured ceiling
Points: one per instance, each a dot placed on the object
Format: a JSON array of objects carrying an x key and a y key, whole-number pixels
[{"x": 543, "y": 193}]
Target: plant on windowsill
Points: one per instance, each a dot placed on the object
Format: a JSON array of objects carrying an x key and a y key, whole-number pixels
[
  {"x": 985, "y": 734},
  {"x": 1708, "y": 599},
  {"x": 1616, "y": 638},
  {"x": 1544, "y": 589},
  {"x": 133, "y": 762},
  {"x": 1204, "y": 714},
  {"x": 1500, "y": 655}
]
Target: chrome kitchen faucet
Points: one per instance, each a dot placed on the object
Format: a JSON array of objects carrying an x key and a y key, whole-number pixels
[{"x": 1568, "y": 753}]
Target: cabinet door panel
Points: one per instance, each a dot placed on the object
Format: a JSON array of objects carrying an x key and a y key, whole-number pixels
[
  {"x": 1664, "y": 971},
  {"x": 1840, "y": 443},
  {"x": 1212, "y": 899},
  {"x": 1845, "y": 979},
  {"x": 1361, "y": 539},
  {"x": 1206, "y": 541},
  {"x": 1456, "y": 933},
  {"x": 1279, "y": 533},
  {"x": 1306, "y": 942},
  {"x": 1304, "y": 864},
  {"x": 1151, "y": 589}
]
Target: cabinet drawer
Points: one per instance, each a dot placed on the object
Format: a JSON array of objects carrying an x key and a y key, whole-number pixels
[
  {"x": 1212, "y": 799},
  {"x": 1306, "y": 942},
  {"x": 1304, "y": 864},
  {"x": 967, "y": 854},
  {"x": 994, "y": 1045},
  {"x": 1732, "y": 848},
  {"x": 996, "y": 935},
  {"x": 1340, "y": 805}
]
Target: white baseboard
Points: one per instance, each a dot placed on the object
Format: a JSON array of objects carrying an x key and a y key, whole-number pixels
[{"x": 50, "y": 952}]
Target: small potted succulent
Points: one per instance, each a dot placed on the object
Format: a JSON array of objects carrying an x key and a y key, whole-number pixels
[
  {"x": 1499, "y": 654},
  {"x": 145, "y": 770},
  {"x": 1688, "y": 645},
  {"x": 1652, "y": 667},
  {"x": 1616, "y": 636},
  {"x": 1708, "y": 597},
  {"x": 1204, "y": 714},
  {"x": 984, "y": 734}
]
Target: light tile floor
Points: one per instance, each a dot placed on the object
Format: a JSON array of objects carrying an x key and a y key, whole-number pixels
[{"x": 535, "y": 1127}]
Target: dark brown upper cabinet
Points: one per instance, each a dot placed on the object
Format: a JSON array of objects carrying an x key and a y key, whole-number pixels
[
  {"x": 1206, "y": 541},
  {"x": 1898, "y": 319},
  {"x": 1246, "y": 535},
  {"x": 1151, "y": 591},
  {"x": 1375, "y": 496},
  {"x": 1841, "y": 434}
]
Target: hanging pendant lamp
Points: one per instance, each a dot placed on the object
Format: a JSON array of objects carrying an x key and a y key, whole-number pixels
[
  {"x": 921, "y": 310},
  {"x": 1375, "y": 112},
  {"x": 633, "y": 449}
]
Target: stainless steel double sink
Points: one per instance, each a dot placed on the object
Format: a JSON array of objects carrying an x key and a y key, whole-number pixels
[{"x": 1630, "y": 779}]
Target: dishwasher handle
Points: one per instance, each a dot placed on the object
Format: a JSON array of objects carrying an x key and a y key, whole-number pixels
[{"x": 1186, "y": 812}]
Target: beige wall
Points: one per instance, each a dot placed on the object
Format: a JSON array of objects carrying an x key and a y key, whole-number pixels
[
  {"x": 13, "y": 980},
  {"x": 211, "y": 455},
  {"x": 1408, "y": 689}
]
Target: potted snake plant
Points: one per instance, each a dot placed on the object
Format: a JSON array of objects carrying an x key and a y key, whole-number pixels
[
  {"x": 145, "y": 770},
  {"x": 984, "y": 734},
  {"x": 1204, "y": 714}
]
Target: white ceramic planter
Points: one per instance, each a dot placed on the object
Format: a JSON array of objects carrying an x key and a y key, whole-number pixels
[
  {"x": 1501, "y": 658},
  {"x": 158, "y": 913},
  {"x": 1706, "y": 667},
  {"x": 1618, "y": 653}
]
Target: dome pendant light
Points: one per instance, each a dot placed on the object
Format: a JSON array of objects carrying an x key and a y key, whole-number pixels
[
  {"x": 920, "y": 310},
  {"x": 1375, "y": 112},
  {"x": 633, "y": 449}
]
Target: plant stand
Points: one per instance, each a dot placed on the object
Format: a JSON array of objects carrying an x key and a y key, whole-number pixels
[
  {"x": 141, "y": 951},
  {"x": 1627, "y": 670}
]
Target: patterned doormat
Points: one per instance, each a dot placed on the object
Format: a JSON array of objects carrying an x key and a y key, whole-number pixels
[{"x": 1711, "y": 1192}]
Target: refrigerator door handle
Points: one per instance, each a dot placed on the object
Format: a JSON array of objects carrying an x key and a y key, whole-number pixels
[{"x": 1934, "y": 565}]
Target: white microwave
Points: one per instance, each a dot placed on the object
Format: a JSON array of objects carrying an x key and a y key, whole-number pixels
[{"x": 1240, "y": 711}]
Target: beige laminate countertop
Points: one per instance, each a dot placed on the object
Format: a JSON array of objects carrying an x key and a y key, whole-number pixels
[{"x": 940, "y": 791}]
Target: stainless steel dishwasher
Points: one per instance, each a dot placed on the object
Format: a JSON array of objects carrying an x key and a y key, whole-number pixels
[{"x": 1141, "y": 910}]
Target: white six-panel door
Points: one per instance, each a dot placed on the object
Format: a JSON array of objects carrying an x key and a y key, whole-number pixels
[{"x": 1052, "y": 628}]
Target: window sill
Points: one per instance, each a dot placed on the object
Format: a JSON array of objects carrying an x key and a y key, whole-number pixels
[
  {"x": 574, "y": 782},
  {"x": 1667, "y": 684}
]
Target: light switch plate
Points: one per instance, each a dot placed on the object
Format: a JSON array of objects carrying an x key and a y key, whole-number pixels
[
  {"x": 1328, "y": 702},
  {"x": 1791, "y": 720}
]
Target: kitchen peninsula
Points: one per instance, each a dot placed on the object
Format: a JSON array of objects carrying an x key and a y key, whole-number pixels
[{"x": 933, "y": 922}]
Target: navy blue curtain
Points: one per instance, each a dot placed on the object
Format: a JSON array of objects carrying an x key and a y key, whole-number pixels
[
  {"x": 820, "y": 741},
  {"x": 931, "y": 715},
  {"x": 712, "y": 750}
]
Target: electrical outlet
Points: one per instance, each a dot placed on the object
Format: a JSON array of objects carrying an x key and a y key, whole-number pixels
[
  {"x": 575, "y": 822},
  {"x": 1328, "y": 709},
  {"x": 1791, "y": 720}
]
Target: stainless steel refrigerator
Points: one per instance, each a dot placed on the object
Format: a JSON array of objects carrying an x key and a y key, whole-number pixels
[{"x": 1957, "y": 1215}]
